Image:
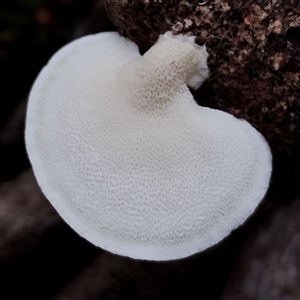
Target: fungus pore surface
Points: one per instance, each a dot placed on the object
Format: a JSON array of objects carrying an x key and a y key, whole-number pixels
[{"x": 129, "y": 160}]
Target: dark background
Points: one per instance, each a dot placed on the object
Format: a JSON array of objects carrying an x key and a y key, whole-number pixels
[
  {"x": 42, "y": 258},
  {"x": 30, "y": 32}
]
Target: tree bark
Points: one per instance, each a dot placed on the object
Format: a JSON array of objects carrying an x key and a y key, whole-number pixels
[{"x": 254, "y": 58}]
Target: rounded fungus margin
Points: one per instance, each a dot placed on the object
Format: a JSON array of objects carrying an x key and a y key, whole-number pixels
[{"x": 129, "y": 160}]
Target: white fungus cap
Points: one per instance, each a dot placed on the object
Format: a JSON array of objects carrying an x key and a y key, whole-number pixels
[{"x": 129, "y": 160}]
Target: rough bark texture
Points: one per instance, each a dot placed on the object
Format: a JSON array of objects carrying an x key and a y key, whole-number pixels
[{"x": 254, "y": 57}]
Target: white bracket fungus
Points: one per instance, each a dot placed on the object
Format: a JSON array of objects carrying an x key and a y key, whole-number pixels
[{"x": 129, "y": 160}]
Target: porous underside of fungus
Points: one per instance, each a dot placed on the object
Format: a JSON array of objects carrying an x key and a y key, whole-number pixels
[
  {"x": 129, "y": 160},
  {"x": 254, "y": 59}
]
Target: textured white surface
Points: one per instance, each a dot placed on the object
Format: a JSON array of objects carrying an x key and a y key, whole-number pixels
[{"x": 129, "y": 160}]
